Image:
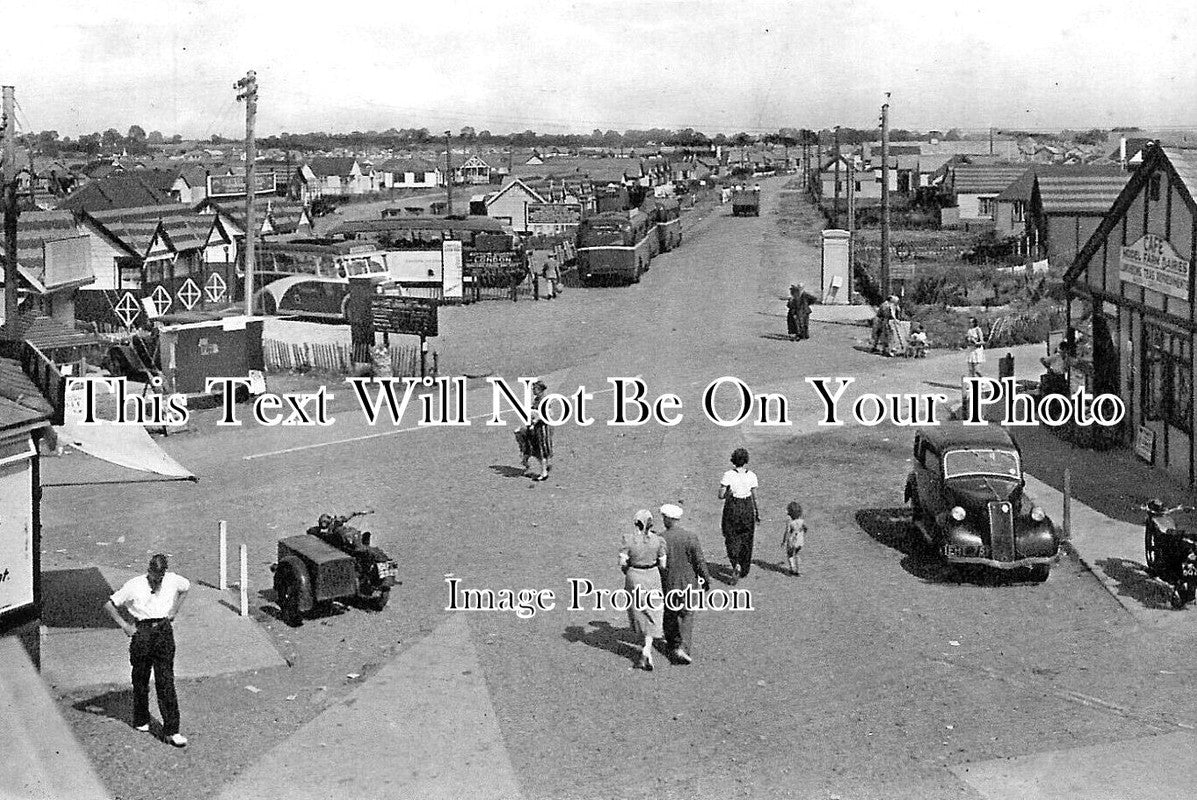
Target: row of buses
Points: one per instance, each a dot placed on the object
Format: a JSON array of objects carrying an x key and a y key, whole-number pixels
[{"x": 619, "y": 245}]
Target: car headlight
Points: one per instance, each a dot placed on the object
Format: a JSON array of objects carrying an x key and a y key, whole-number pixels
[
  {"x": 1037, "y": 514},
  {"x": 957, "y": 513}
]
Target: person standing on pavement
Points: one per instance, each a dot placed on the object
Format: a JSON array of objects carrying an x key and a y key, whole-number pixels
[
  {"x": 686, "y": 572},
  {"x": 152, "y": 601},
  {"x": 798, "y": 312},
  {"x": 642, "y": 556},
  {"x": 737, "y": 490},
  {"x": 975, "y": 339}
]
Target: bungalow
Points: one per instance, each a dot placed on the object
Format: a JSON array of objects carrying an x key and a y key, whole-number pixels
[
  {"x": 1068, "y": 205},
  {"x": 411, "y": 173},
  {"x": 53, "y": 260},
  {"x": 176, "y": 258},
  {"x": 334, "y": 175},
  {"x": 833, "y": 176},
  {"x": 509, "y": 205},
  {"x": 975, "y": 188},
  {"x": 474, "y": 170}
]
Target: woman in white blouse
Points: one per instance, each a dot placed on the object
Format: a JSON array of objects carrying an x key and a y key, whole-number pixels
[{"x": 737, "y": 490}]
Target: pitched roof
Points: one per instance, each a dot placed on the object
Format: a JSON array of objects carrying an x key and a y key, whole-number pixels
[
  {"x": 34, "y": 229},
  {"x": 21, "y": 403},
  {"x": 47, "y": 333},
  {"x": 1020, "y": 189},
  {"x": 984, "y": 178},
  {"x": 325, "y": 166},
  {"x": 135, "y": 227},
  {"x": 1079, "y": 189},
  {"x": 285, "y": 215},
  {"x": 127, "y": 189},
  {"x": 512, "y": 184},
  {"x": 407, "y": 165},
  {"x": 1185, "y": 164}
]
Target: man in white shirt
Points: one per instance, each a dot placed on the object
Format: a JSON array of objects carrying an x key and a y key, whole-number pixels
[{"x": 152, "y": 601}]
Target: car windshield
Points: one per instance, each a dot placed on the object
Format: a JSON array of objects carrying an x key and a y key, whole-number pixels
[{"x": 957, "y": 463}]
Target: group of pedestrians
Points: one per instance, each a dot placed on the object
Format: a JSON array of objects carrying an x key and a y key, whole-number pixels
[{"x": 673, "y": 561}]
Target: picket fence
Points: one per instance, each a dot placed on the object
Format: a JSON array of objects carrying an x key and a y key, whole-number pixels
[{"x": 337, "y": 357}]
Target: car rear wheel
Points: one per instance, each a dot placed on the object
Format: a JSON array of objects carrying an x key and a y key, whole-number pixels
[{"x": 1040, "y": 572}]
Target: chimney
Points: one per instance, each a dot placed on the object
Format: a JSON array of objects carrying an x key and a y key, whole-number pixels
[{"x": 1122, "y": 154}]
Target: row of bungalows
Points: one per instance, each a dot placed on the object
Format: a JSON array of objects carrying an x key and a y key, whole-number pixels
[{"x": 120, "y": 249}]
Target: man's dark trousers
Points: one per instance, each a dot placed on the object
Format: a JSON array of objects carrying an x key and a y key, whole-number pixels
[
  {"x": 679, "y": 628},
  {"x": 153, "y": 648}
]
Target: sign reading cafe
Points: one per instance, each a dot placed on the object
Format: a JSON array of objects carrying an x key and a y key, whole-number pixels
[{"x": 1153, "y": 263}]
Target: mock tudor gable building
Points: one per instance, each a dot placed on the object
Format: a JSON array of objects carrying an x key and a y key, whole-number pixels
[{"x": 1131, "y": 290}]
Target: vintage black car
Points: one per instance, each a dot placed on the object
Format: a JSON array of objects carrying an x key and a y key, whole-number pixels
[{"x": 968, "y": 500}]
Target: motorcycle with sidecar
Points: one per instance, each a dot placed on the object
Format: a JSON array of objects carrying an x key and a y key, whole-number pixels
[
  {"x": 332, "y": 561},
  {"x": 1170, "y": 549}
]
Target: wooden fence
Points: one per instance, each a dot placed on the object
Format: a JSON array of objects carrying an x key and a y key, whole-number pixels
[{"x": 337, "y": 357}]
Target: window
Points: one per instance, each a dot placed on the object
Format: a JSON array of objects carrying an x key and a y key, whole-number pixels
[
  {"x": 1020, "y": 211},
  {"x": 985, "y": 206},
  {"x": 1168, "y": 383}
]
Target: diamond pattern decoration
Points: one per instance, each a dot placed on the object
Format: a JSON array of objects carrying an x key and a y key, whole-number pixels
[
  {"x": 189, "y": 294},
  {"x": 215, "y": 288},
  {"x": 161, "y": 299},
  {"x": 127, "y": 309}
]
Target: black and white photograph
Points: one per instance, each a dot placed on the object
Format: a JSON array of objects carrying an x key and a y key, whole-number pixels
[{"x": 514, "y": 400}]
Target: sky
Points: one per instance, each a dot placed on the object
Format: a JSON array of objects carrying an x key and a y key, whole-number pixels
[{"x": 560, "y": 66}]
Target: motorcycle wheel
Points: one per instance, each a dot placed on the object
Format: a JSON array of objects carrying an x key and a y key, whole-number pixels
[
  {"x": 379, "y": 601},
  {"x": 288, "y": 600},
  {"x": 1150, "y": 554},
  {"x": 1177, "y": 599}
]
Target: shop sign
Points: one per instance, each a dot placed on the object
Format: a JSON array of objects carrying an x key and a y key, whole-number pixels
[
  {"x": 412, "y": 315},
  {"x": 554, "y": 213},
  {"x": 1145, "y": 444},
  {"x": 1153, "y": 263}
]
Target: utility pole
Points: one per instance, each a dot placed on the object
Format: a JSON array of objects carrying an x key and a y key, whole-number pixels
[
  {"x": 11, "y": 278},
  {"x": 449, "y": 173},
  {"x": 885, "y": 282},
  {"x": 851, "y": 224},
  {"x": 247, "y": 90},
  {"x": 837, "y": 176},
  {"x": 991, "y": 140}
]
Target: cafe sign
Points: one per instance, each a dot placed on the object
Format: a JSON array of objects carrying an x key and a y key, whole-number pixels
[{"x": 1153, "y": 263}]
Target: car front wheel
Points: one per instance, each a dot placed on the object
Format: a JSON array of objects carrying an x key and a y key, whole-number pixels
[{"x": 1040, "y": 572}]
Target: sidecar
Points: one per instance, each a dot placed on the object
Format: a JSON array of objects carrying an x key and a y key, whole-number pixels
[{"x": 311, "y": 571}]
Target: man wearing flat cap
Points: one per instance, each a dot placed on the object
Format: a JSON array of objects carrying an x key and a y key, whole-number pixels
[{"x": 686, "y": 568}]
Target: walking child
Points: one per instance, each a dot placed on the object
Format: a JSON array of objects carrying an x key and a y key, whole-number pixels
[{"x": 794, "y": 535}]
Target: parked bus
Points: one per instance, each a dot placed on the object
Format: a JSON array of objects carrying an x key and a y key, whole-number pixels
[
  {"x": 316, "y": 258},
  {"x": 393, "y": 230},
  {"x": 615, "y": 245},
  {"x": 666, "y": 214}
]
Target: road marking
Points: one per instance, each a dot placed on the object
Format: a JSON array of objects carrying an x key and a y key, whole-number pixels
[{"x": 367, "y": 436}]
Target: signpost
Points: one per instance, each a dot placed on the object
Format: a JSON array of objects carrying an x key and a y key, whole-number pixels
[{"x": 416, "y": 316}]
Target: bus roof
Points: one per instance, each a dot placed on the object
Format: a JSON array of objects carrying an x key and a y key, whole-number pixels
[
  {"x": 323, "y": 248},
  {"x": 474, "y": 224}
]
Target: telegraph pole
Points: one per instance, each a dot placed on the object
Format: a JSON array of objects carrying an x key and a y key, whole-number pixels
[
  {"x": 851, "y": 209},
  {"x": 449, "y": 173},
  {"x": 11, "y": 278},
  {"x": 247, "y": 90},
  {"x": 837, "y": 176},
  {"x": 885, "y": 282}
]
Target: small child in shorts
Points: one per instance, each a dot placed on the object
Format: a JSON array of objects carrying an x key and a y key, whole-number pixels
[{"x": 794, "y": 536}]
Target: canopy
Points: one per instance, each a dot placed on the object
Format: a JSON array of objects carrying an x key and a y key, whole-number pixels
[{"x": 127, "y": 445}]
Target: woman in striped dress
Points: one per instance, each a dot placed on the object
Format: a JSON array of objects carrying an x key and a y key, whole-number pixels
[{"x": 642, "y": 557}]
